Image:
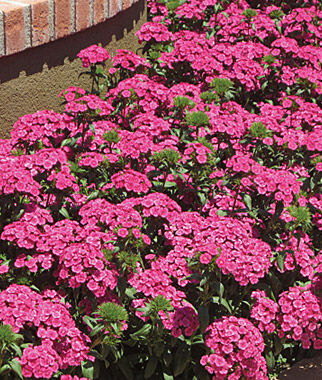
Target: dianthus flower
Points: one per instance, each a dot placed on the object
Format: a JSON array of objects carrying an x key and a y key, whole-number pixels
[
  {"x": 154, "y": 282},
  {"x": 128, "y": 60},
  {"x": 131, "y": 180},
  {"x": 40, "y": 126},
  {"x": 236, "y": 350},
  {"x": 230, "y": 243},
  {"x": 91, "y": 159},
  {"x": 298, "y": 253},
  {"x": 185, "y": 321},
  {"x": 39, "y": 362},
  {"x": 85, "y": 264},
  {"x": 20, "y": 306},
  {"x": 264, "y": 311},
  {"x": 300, "y": 317},
  {"x": 93, "y": 54},
  {"x": 153, "y": 31}
]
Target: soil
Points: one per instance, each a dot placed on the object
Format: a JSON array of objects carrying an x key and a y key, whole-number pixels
[{"x": 306, "y": 369}]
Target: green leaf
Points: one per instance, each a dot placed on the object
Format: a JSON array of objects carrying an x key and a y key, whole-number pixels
[
  {"x": 203, "y": 198},
  {"x": 96, "y": 329},
  {"x": 159, "y": 348},
  {"x": 93, "y": 195},
  {"x": 278, "y": 345},
  {"x": 270, "y": 360},
  {"x": 248, "y": 201},
  {"x": 142, "y": 333},
  {"x": 88, "y": 369},
  {"x": 5, "y": 368},
  {"x": 130, "y": 292},
  {"x": 16, "y": 348},
  {"x": 92, "y": 128},
  {"x": 167, "y": 358},
  {"x": 226, "y": 305},
  {"x": 16, "y": 367},
  {"x": 203, "y": 317},
  {"x": 181, "y": 359},
  {"x": 88, "y": 320},
  {"x": 167, "y": 377},
  {"x": 64, "y": 213},
  {"x": 280, "y": 260},
  {"x": 150, "y": 367},
  {"x": 169, "y": 184},
  {"x": 219, "y": 289}
]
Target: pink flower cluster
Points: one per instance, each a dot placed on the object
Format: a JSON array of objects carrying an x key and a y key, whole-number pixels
[
  {"x": 264, "y": 311},
  {"x": 235, "y": 251},
  {"x": 128, "y": 60},
  {"x": 62, "y": 343},
  {"x": 153, "y": 31},
  {"x": 92, "y": 55},
  {"x": 185, "y": 320},
  {"x": 39, "y": 361},
  {"x": 131, "y": 180},
  {"x": 91, "y": 159},
  {"x": 85, "y": 264},
  {"x": 236, "y": 350},
  {"x": 301, "y": 317}
]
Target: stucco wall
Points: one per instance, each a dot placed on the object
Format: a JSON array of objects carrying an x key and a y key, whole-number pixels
[{"x": 32, "y": 79}]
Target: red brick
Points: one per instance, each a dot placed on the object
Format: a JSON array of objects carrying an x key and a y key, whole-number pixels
[
  {"x": 99, "y": 11},
  {"x": 113, "y": 7},
  {"x": 126, "y": 4},
  {"x": 39, "y": 21},
  {"x": 14, "y": 27},
  {"x": 82, "y": 14},
  {"x": 62, "y": 18}
]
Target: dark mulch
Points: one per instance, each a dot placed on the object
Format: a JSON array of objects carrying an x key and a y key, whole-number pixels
[{"x": 306, "y": 369}]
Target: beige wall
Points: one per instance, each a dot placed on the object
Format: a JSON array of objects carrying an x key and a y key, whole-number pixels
[{"x": 31, "y": 80}]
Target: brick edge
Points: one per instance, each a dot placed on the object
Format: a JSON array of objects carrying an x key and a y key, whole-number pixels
[{"x": 57, "y": 21}]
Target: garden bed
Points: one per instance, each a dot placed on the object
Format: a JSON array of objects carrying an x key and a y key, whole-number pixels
[{"x": 167, "y": 224}]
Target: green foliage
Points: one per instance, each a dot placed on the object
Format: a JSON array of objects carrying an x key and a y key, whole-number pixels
[
  {"x": 302, "y": 215},
  {"x": 183, "y": 101},
  {"x": 269, "y": 59},
  {"x": 7, "y": 336},
  {"x": 249, "y": 13},
  {"x": 167, "y": 156},
  {"x": 197, "y": 119},
  {"x": 221, "y": 85},
  {"x": 259, "y": 130},
  {"x": 172, "y": 5},
  {"x": 209, "y": 97},
  {"x": 277, "y": 14},
  {"x": 159, "y": 303},
  {"x": 111, "y": 136},
  {"x": 112, "y": 312},
  {"x": 129, "y": 259},
  {"x": 154, "y": 54},
  {"x": 206, "y": 143},
  {"x": 17, "y": 152}
]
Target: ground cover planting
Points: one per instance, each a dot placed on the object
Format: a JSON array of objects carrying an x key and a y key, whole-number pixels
[{"x": 167, "y": 225}]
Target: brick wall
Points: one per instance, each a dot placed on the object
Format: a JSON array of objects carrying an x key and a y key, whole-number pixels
[{"x": 30, "y": 23}]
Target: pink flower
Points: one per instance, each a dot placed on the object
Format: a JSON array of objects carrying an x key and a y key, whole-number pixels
[
  {"x": 205, "y": 258},
  {"x": 92, "y": 55},
  {"x": 122, "y": 232}
]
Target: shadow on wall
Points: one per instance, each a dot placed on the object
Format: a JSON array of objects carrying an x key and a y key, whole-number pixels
[{"x": 32, "y": 79}]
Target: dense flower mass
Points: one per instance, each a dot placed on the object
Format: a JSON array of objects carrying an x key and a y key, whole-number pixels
[
  {"x": 236, "y": 350},
  {"x": 167, "y": 223},
  {"x": 301, "y": 317}
]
